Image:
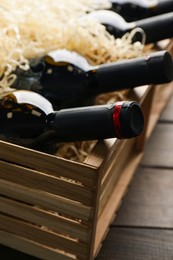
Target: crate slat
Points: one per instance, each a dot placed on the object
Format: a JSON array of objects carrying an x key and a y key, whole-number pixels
[
  {"x": 43, "y": 236},
  {"x": 48, "y": 163},
  {"x": 115, "y": 172},
  {"x": 36, "y": 180},
  {"x": 46, "y": 201},
  {"x": 114, "y": 201},
  {"x": 31, "y": 248},
  {"x": 48, "y": 219}
]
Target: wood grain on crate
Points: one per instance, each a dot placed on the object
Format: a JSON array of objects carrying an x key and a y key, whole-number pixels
[
  {"x": 114, "y": 200},
  {"x": 32, "y": 187},
  {"x": 48, "y": 163},
  {"x": 29, "y": 247},
  {"x": 110, "y": 188},
  {"x": 50, "y": 209}
]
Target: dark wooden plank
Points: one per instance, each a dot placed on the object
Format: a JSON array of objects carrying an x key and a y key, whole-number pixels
[
  {"x": 158, "y": 150},
  {"x": 149, "y": 200},
  {"x": 137, "y": 244},
  {"x": 167, "y": 114}
]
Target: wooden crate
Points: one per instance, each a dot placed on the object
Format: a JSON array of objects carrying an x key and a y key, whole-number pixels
[{"x": 53, "y": 208}]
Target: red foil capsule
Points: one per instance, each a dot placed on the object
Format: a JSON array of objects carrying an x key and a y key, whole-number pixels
[
  {"x": 116, "y": 120},
  {"x": 128, "y": 119}
]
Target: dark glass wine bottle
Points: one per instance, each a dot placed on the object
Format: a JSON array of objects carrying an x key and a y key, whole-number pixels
[
  {"x": 26, "y": 115},
  {"x": 133, "y": 10},
  {"x": 156, "y": 28},
  {"x": 66, "y": 79}
]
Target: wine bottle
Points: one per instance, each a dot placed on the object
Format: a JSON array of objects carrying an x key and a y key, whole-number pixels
[
  {"x": 26, "y": 115},
  {"x": 156, "y": 28},
  {"x": 67, "y": 80},
  {"x": 133, "y": 10}
]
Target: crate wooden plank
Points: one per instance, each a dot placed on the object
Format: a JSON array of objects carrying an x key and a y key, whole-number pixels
[
  {"x": 148, "y": 202},
  {"x": 119, "y": 154},
  {"x": 29, "y": 247},
  {"x": 46, "y": 201},
  {"x": 108, "y": 214},
  {"x": 137, "y": 243},
  {"x": 49, "y": 219},
  {"x": 110, "y": 170},
  {"x": 101, "y": 155},
  {"x": 110, "y": 181},
  {"x": 112, "y": 200},
  {"x": 43, "y": 236},
  {"x": 40, "y": 181},
  {"x": 48, "y": 163}
]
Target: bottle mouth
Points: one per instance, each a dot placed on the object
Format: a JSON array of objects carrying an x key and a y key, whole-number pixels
[
  {"x": 160, "y": 65},
  {"x": 128, "y": 119}
]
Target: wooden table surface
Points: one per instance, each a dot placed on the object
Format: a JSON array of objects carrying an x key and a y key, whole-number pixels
[{"x": 143, "y": 228}]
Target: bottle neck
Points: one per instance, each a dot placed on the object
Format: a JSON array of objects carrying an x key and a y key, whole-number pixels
[
  {"x": 133, "y": 10},
  {"x": 128, "y": 74},
  {"x": 66, "y": 88},
  {"x": 70, "y": 86},
  {"x": 142, "y": 3},
  {"x": 155, "y": 28},
  {"x": 122, "y": 120}
]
